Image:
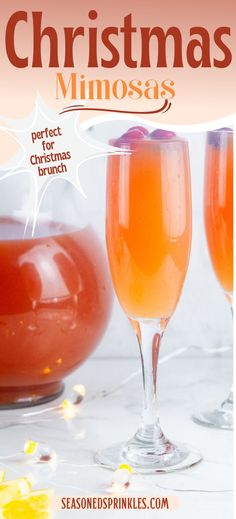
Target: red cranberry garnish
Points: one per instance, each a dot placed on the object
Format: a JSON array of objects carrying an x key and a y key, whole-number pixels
[
  {"x": 131, "y": 135},
  {"x": 140, "y": 128},
  {"x": 216, "y": 137},
  {"x": 161, "y": 134}
]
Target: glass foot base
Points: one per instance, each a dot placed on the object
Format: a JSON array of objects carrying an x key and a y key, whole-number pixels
[
  {"x": 19, "y": 397},
  {"x": 217, "y": 418},
  {"x": 145, "y": 461}
]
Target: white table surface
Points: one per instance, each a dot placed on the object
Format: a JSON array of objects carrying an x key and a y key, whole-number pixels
[{"x": 184, "y": 384}]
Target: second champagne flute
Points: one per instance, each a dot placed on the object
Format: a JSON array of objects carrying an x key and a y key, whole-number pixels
[{"x": 218, "y": 212}]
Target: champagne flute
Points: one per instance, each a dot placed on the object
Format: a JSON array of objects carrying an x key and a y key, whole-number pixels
[
  {"x": 148, "y": 233},
  {"x": 218, "y": 209}
]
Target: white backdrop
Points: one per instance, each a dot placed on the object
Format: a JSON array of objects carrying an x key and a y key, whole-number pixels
[{"x": 203, "y": 316}]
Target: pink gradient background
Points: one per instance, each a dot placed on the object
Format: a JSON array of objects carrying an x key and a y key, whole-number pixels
[{"x": 201, "y": 94}]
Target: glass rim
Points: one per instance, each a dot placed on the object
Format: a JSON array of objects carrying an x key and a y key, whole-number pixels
[
  {"x": 228, "y": 131},
  {"x": 159, "y": 142}
]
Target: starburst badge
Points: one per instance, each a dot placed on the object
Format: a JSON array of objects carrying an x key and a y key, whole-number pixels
[{"x": 51, "y": 147}]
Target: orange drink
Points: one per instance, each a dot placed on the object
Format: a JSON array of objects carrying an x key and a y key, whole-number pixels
[
  {"x": 148, "y": 224},
  {"x": 219, "y": 205}
]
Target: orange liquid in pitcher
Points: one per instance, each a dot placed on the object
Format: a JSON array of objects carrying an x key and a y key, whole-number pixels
[
  {"x": 148, "y": 226},
  {"x": 55, "y": 301},
  {"x": 219, "y": 206}
]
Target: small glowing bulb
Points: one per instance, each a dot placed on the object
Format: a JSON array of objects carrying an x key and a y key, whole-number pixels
[
  {"x": 66, "y": 404},
  {"x": 39, "y": 452},
  {"x": 30, "y": 447},
  {"x": 121, "y": 478},
  {"x": 80, "y": 389},
  {"x": 68, "y": 409},
  {"x": 77, "y": 394}
]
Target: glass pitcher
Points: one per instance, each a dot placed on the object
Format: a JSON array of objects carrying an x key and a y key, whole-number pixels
[{"x": 55, "y": 295}]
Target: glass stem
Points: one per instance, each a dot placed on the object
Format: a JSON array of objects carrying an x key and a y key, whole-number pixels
[
  {"x": 149, "y": 337},
  {"x": 227, "y": 405}
]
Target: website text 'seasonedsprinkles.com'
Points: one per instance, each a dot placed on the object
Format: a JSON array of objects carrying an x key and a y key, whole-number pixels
[{"x": 117, "y": 502}]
